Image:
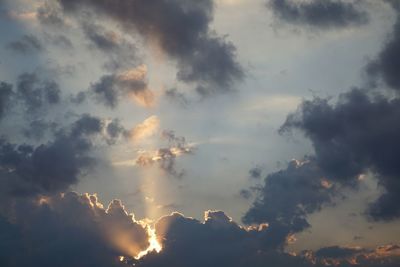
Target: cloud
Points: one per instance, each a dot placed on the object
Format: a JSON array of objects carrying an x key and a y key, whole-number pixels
[
  {"x": 166, "y": 157},
  {"x": 70, "y": 230},
  {"x": 5, "y": 97},
  {"x": 385, "y": 256},
  {"x": 145, "y": 129},
  {"x": 35, "y": 93},
  {"x": 323, "y": 14},
  {"x": 49, "y": 14},
  {"x": 218, "y": 241},
  {"x": 52, "y": 166},
  {"x": 132, "y": 83},
  {"x": 387, "y": 64},
  {"x": 356, "y": 135},
  {"x": 182, "y": 30},
  {"x": 119, "y": 51},
  {"x": 287, "y": 197},
  {"x": 28, "y": 44}
]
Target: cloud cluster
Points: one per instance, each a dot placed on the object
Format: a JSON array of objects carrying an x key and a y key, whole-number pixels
[
  {"x": 287, "y": 197},
  {"x": 166, "y": 157},
  {"x": 49, "y": 167},
  {"x": 323, "y": 14},
  {"x": 387, "y": 64},
  {"x": 356, "y": 135},
  {"x": 70, "y": 230},
  {"x": 182, "y": 30},
  {"x": 131, "y": 83},
  {"x": 36, "y": 93}
]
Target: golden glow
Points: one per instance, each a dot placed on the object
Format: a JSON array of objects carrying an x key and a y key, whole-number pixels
[
  {"x": 145, "y": 129},
  {"x": 154, "y": 244}
]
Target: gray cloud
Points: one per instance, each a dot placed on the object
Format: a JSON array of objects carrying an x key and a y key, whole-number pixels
[
  {"x": 387, "y": 64},
  {"x": 70, "y": 230},
  {"x": 287, "y": 197},
  {"x": 28, "y": 44},
  {"x": 322, "y": 14},
  {"x": 357, "y": 134},
  {"x": 36, "y": 93},
  {"x": 49, "y": 167},
  {"x": 5, "y": 97},
  {"x": 181, "y": 29},
  {"x": 218, "y": 241},
  {"x": 110, "y": 88},
  {"x": 49, "y": 14}
]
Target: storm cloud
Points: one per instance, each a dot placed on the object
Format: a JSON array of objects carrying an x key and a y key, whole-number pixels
[
  {"x": 287, "y": 197},
  {"x": 323, "y": 14},
  {"x": 70, "y": 230},
  {"x": 387, "y": 63},
  {"x": 52, "y": 166},
  {"x": 356, "y": 135},
  {"x": 182, "y": 30}
]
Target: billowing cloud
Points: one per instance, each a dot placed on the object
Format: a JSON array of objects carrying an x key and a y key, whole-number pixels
[
  {"x": 70, "y": 230},
  {"x": 322, "y": 14},
  {"x": 52, "y": 166},
  {"x": 387, "y": 64},
  {"x": 182, "y": 30},
  {"x": 287, "y": 197},
  {"x": 132, "y": 83},
  {"x": 356, "y": 135}
]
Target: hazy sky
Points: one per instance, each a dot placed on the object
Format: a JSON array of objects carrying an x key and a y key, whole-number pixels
[{"x": 264, "y": 112}]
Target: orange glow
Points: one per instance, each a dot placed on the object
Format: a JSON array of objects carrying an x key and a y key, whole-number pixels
[{"x": 145, "y": 129}]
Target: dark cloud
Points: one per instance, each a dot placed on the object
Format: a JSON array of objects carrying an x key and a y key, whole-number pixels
[
  {"x": 28, "y": 44},
  {"x": 287, "y": 197},
  {"x": 114, "y": 131},
  {"x": 36, "y": 93},
  {"x": 255, "y": 173},
  {"x": 37, "y": 129},
  {"x": 49, "y": 167},
  {"x": 218, "y": 241},
  {"x": 382, "y": 256},
  {"x": 70, "y": 230},
  {"x": 387, "y": 63},
  {"x": 356, "y": 135},
  {"x": 337, "y": 252},
  {"x": 322, "y": 14},
  {"x": 110, "y": 88},
  {"x": 182, "y": 30},
  {"x": 6, "y": 93}
]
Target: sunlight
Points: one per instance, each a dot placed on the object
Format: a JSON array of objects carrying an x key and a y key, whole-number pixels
[{"x": 154, "y": 244}]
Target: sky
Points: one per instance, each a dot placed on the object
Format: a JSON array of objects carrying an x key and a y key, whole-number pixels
[{"x": 199, "y": 133}]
